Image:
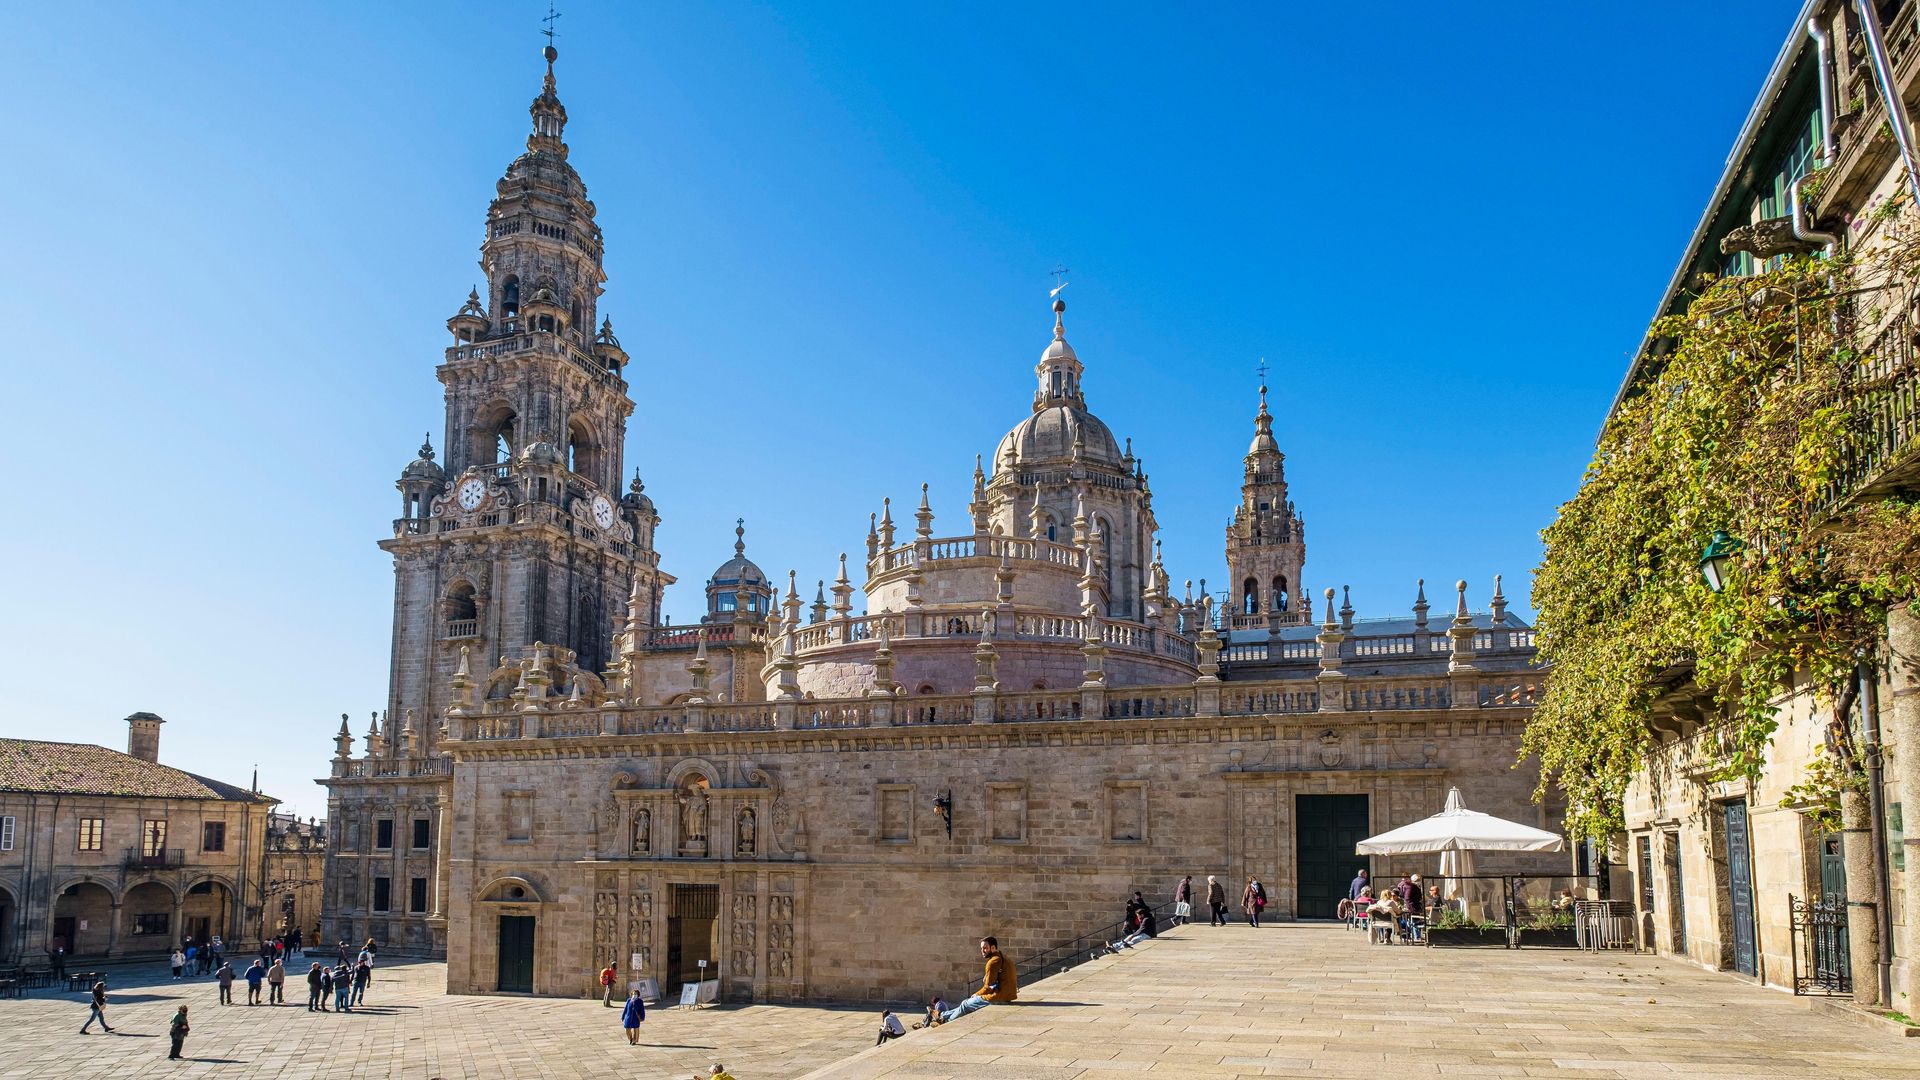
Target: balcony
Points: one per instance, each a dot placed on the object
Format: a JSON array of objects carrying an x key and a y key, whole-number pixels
[
  {"x": 161, "y": 859},
  {"x": 462, "y": 628},
  {"x": 1874, "y": 457}
]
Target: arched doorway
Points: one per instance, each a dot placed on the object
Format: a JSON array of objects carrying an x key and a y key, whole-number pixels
[
  {"x": 82, "y": 919},
  {"x": 207, "y": 910},
  {"x": 146, "y": 913}
]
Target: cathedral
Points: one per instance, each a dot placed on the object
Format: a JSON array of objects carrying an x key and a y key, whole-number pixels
[{"x": 1002, "y": 725}]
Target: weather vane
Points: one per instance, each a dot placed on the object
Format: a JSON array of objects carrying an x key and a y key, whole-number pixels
[
  {"x": 1060, "y": 281},
  {"x": 552, "y": 15},
  {"x": 1263, "y": 371}
]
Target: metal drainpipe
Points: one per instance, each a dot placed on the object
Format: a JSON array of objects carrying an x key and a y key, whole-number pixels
[
  {"x": 1889, "y": 93},
  {"x": 1876, "y": 806},
  {"x": 1802, "y": 228}
]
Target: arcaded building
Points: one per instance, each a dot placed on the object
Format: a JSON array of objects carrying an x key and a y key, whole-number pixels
[{"x": 998, "y": 719}]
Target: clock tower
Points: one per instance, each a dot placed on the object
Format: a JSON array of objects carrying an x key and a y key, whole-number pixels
[{"x": 524, "y": 535}]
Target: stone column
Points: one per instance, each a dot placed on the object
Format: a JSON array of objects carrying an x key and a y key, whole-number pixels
[{"x": 1900, "y": 742}]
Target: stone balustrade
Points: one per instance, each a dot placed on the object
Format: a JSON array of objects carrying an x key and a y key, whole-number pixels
[{"x": 510, "y": 720}]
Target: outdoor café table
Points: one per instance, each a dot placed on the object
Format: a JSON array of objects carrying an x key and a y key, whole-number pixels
[
  {"x": 36, "y": 977},
  {"x": 12, "y": 987},
  {"x": 81, "y": 980}
]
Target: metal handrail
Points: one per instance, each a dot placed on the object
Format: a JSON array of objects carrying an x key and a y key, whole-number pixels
[{"x": 1078, "y": 951}]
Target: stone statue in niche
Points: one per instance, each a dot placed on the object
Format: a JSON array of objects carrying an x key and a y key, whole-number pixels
[
  {"x": 642, "y": 832},
  {"x": 743, "y": 843},
  {"x": 693, "y": 821}
]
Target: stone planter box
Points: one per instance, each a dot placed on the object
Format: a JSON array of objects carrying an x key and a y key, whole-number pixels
[
  {"x": 1468, "y": 936},
  {"x": 1548, "y": 939}
]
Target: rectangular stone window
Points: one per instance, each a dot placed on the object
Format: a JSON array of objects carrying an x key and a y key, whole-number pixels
[
  {"x": 1126, "y": 811},
  {"x": 382, "y": 894},
  {"x": 92, "y": 834},
  {"x": 1007, "y": 813},
  {"x": 417, "y": 895},
  {"x": 151, "y": 925},
  {"x": 153, "y": 838},
  {"x": 383, "y": 834},
  {"x": 893, "y": 804},
  {"x": 213, "y": 836},
  {"x": 519, "y": 815},
  {"x": 6, "y": 833},
  {"x": 419, "y": 834}
]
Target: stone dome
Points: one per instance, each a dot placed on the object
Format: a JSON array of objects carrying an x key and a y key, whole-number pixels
[
  {"x": 423, "y": 468},
  {"x": 541, "y": 453},
  {"x": 1048, "y": 435},
  {"x": 736, "y": 568}
]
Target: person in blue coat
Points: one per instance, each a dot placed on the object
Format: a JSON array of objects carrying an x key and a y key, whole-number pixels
[{"x": 632, "y": 1015}]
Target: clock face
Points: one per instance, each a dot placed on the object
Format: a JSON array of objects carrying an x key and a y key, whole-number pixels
[
  {"x": 603, "y": 511},
  {"x": 472, "y": 493}
]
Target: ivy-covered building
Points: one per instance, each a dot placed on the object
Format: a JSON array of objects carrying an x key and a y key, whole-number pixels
[{"x": 1732, "y": 849}]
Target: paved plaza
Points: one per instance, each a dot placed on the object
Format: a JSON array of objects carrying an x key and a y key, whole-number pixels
[
  {"x": 1314, "y": 1000},
  {"x": 1288, "y": 1000},
  {"x": 409, "y": 1028}
]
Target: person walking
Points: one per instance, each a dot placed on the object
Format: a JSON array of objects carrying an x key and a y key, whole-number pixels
[
  {"x": 217, "y": 948},
  {"x": 178, "y": 960},
  {"x": 890, "y": 1027},
  {"x": 362, "y": 978},
  {"x": 606, "y": 984},
  {"x": 313, "y": 987},
  {"x": 1217, "y": 901},
  {"x": 57, "y": 960},
  {"x": 177, "y": 1032},
  {"x": 343, "y": 988},
  {"x": 97, "y": 1008},
  {"x": 277, "y": 983},
  {"x": 632, "y": 1016},
  {"x": 225, "y": 978},
  {"x": 1253, "y": 901},
  {"x": 255, "y": 976},
  {"x": 1183, "y": 901},
  {"x": 326, "y": 987}
]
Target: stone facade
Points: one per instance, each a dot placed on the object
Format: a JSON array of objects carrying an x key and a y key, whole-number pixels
[
  {"x": 292, "y": 876},
  {"x": 1013, "y": 724},
  {"x": 1715, "y": 865},
  {"x": 113, "y": 855}
]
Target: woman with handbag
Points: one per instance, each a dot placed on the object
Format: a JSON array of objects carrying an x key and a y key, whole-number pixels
[{"x": 1183, "y": 900}]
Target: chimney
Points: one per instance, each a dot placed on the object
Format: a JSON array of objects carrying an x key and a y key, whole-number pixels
[{"x": 143, "y": 736}]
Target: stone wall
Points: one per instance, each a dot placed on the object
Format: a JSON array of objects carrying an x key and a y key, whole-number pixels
[{"x": 849, "y": 887}]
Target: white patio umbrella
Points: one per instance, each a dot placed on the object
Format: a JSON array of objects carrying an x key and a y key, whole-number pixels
[{"x": 1455, "y": 833}]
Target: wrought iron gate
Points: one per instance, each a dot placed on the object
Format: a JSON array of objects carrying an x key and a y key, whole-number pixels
[{"x": 1821, "y": 962}]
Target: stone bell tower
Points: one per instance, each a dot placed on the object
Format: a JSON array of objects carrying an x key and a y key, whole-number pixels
[
  {"x": 524, "y": 535},
  {"x": 1267, "y": 540}
]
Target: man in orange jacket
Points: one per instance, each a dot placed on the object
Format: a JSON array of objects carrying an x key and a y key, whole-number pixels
[
  {"x": 1000, "y": 983},
  {"x": 606, "y": 985}
]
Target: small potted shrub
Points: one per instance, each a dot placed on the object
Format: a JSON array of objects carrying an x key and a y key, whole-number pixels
[
  {"x": 1450, "y": 927},
  {"x": 1549, "y": 929}
]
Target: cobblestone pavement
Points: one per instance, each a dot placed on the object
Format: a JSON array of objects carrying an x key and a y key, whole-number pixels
[
  {"x": 1318, "y": 1001},
  {"x": 409, "y": 1028}
]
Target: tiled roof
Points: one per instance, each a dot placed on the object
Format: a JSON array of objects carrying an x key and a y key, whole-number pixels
[{"x": 56, "y": 768}]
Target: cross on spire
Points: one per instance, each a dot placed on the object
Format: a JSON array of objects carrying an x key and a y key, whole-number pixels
[
  {"x": 1263, "y": 371},
  {"x": 552, "y": 16},
  {"x": 1059, "y": 273}
]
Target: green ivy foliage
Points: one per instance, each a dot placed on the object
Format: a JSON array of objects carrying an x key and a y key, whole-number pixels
[{"x": 1746, "y": 426}]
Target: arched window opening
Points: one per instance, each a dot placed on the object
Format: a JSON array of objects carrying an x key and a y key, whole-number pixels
[
  {"x": 510, "y": 299},
  {"x": 1280, "y": 597},
  {"x": 1250, "y": 597},
  {"x": 496, "y": 435},
  {"x": 461, "y": 610},
  {"x": 581, "y": 455},
  {"x": 1056, "y": 384},
  {"x": 1052, "y": 528}
]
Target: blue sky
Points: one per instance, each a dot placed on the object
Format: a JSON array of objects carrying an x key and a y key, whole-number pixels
[{"x": 236, "y": 232}]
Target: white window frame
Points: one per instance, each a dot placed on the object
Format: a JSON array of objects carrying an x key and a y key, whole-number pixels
[{"x": 6, "y": 833}]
